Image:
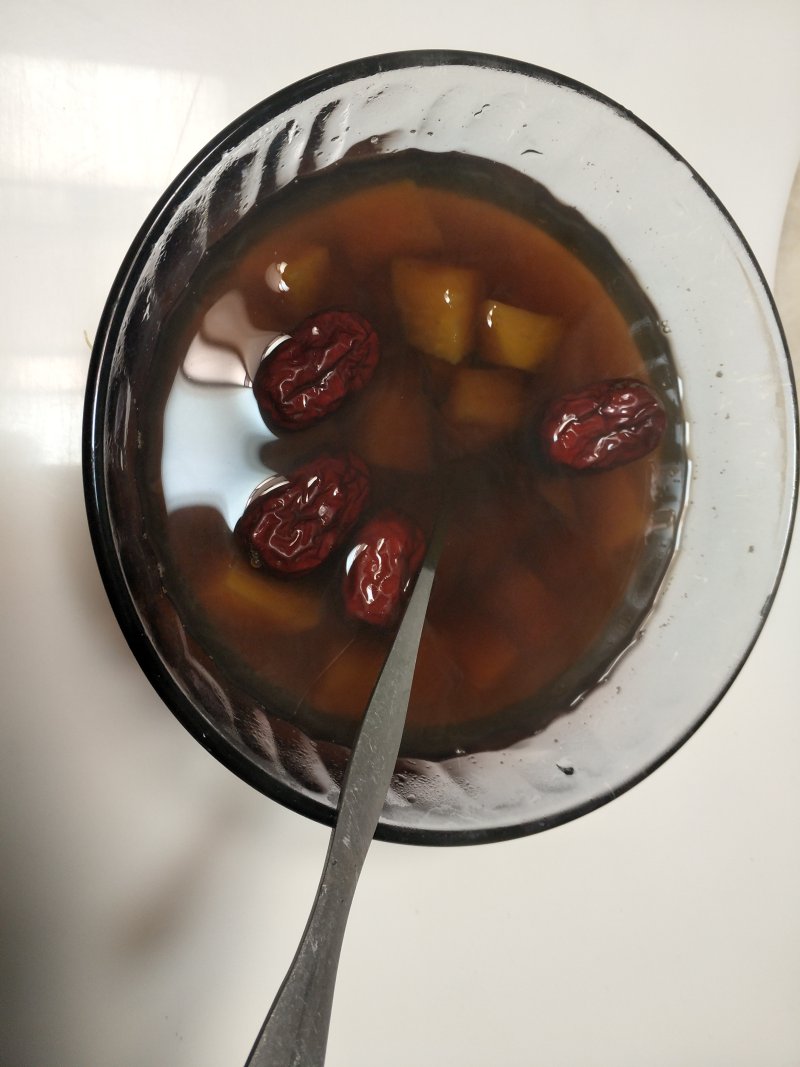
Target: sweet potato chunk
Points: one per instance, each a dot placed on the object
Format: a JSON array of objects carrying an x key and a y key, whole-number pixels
[
  {"x": 559, "y": 492},
  {"x": 435, "y": 677},
  {"x": 613, "y": 511},
  {"x": 395, "y": 428},
  {"x": 290, "y": 608},
  {"x": 513, "y": 337},
  {"x": 484, "y": 654},
  {"x": 387, "y": 221},
  {"x": 520, "y": 603},
  {"x": 483, "y": 406},
  {"x": 438, "y": 306},
  {"x": 301, "y": 280},
  {"x": 530, "y": 614},
  {"x": 346, "y": 684}
]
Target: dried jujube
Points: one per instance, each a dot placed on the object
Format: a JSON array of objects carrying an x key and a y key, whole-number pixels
[
  {"x": 603, "y": 426},
  {"x": 381, "y": 568},
  {"x": 309, "y": 375},
  {"x": 294, "y": 528}
]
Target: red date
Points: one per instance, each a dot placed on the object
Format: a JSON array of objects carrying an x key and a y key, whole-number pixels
[
  {"x": 309, "y": 375},
  {"x": 294, "y": 528},
  {"x": 603, "y": 426},
  {"x": 381, "y": 568}
]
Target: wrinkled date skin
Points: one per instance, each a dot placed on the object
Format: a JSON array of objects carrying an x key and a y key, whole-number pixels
[
  {"x": 309, "y": 375},
  {"x": 603, "y": 426},
  {"x": 381, "y": 568},
  {"x": 294, "y": 528}
]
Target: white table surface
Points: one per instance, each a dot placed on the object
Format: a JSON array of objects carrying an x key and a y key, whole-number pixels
[{"x": 150, "y": 901}]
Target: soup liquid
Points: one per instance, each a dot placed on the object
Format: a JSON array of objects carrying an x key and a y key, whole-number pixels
[{"x": 540, "y": 585}]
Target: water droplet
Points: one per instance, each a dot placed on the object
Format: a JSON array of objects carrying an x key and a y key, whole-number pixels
[{"x": 664, "y": 326}]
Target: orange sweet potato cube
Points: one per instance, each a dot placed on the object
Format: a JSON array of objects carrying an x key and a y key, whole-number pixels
[
  {"x": 301, "y": 280},
  {"x": 559, "y": 493},
  {"x": 521, "y": 604},
  {"x": 483, "y": 406},
  {"x": 384, "y": 222},
  {"x": 435, "y": 677},
  {"x": 346, "y": 684},
  {"x": 278, "y": 602},
  {"x": 395, "y": 429},
  {"x": 484, "y": 653},
  {"x": 613, "y": 509},
  {"x": 513, "y": 337},
  {"x": 438, "y": 305}
]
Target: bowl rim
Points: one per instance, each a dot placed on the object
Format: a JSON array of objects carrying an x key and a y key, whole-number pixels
[{"x": 94, "y": 445}]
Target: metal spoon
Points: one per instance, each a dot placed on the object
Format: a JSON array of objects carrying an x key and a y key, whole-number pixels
[{"x": 295, "y": 1032}]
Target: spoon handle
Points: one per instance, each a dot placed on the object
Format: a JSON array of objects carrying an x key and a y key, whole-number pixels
[{"x": 295, "y": 1032}]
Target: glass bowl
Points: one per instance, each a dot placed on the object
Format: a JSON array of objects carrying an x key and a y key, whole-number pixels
[{"x": 728, "y": 512}]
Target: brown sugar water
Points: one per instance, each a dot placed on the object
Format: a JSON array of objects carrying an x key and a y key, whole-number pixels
[{"x": 545, "y": 577}]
